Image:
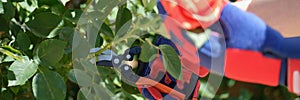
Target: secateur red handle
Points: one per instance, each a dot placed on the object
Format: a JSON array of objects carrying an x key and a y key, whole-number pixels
[{"x": 129, "y": 76}]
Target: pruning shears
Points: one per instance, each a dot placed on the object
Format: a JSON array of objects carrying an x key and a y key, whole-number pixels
[{"x": 111, "y": 59}]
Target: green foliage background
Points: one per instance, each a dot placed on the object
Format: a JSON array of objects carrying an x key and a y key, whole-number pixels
[{"x": 36, "y": 49}]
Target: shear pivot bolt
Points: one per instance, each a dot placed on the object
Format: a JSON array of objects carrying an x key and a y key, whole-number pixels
[
  {"x": 116, "y": 61},
  {"x": 128, "y": 56},
  {"x": 126, "y": 67}
]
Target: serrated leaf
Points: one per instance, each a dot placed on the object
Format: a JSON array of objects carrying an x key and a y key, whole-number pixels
[
  {"x": 44, "y": 25},
  {"x": 148, "y": 52},
  {"x": 23, "y": 70},
  {"x": 123, "y": 16},
  {"x": 171, "y": 61},
  {"x": 48, "y": 85},
  {"x": 49, "y": 52}
]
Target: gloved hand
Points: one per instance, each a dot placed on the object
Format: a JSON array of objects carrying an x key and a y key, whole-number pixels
[{"x": 156, "y": 70}]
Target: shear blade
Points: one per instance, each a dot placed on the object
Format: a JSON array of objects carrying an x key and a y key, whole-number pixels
[
  {"x": 106, "y": 52},
  {"x": 104, "y": 63}
]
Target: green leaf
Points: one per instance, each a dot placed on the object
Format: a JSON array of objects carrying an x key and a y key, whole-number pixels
[
  {"x": 171, "y": 61},
  {"x": 150, "y": 5},
  {"x": 38, "y": 11},
  {"x": 66, "y": 34},
  {"x": 99, "y": 41},
  {"x": 231, "y": 83},
  {"x": 15, "y": 89},
  {"x": 148, "y": 52},
  {"x": 71, "y": 76},
  {"x": 85, "y": 73},
  {"x": 129, "y": 88},
  {"x": 245, "y": 94},
  {"x": 80, "y": 96},
  {"x": 6, "y": 94},
  {"x": 58, "y": 9},
  {"x": 44, "y": 25},
  {"x": 49, "y": 52},
  {"x": 15, "y": 29},
  {"x": 163, "y": 32},
  {"x": 206, "y": 90},
  {"x": 23, "y": 41},
  {"x": 22, "y": 71},
  {"x": 123, "y": 16},
  {"x": 96, "y": 92},
  {"x": 8, "y": 59},
  {"x": 48, "y": 85},
  {"x": 92, "y": 35},
  {"x": 4, "y": 25},
  {"x": 1, "y": 8},
  {"x": 47, "y": 2},
  {"x": 106, "y": 30},
  {"x": 89, "y": 80},
  {"x": 68, "y": 15},
  {"x": 104, "y": 71},
  {"x": 9, "y": 10},
  {"x": 17, "y": 0},
  {"x": 82, "y": 78},
  {"x": 80, "y": 47},
  {"x": 29, "y": 2},
  {"x": 224, "y": 96}
]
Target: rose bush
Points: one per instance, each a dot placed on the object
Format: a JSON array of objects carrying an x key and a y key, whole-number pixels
[{"x": 39, "y": 37}]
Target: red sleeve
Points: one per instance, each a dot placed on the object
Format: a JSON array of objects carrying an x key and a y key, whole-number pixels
[{"x": 194, "y": 13}]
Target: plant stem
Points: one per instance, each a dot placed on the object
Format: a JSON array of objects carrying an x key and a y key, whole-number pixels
[{"x": 100, "y": 51}]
